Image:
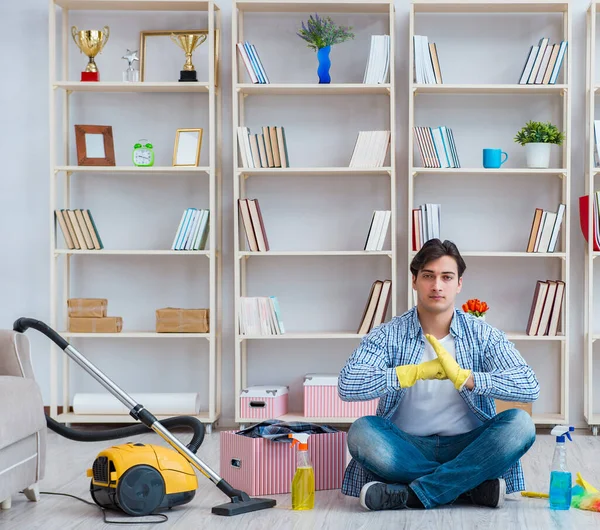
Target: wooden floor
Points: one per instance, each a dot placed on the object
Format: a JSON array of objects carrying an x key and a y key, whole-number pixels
[{"x": 67, "y": 462}]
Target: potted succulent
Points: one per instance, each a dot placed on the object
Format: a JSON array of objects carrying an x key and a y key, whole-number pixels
[
  {"x": 476, "y": 307},
  {"x": 322, "y": 33},
  {"x": 538, "y": 137}
]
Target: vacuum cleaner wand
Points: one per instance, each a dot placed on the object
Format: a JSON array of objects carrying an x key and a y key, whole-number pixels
[{"x": 240, "y": 501}]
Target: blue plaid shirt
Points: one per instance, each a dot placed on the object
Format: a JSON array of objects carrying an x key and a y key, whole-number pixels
[{"x": 499, "y": 372}]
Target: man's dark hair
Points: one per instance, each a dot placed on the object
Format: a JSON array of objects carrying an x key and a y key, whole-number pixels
[{"x": 435, "y": 249}]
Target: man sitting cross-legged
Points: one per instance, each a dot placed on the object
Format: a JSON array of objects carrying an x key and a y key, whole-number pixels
[{"x": 437, "y": 370}]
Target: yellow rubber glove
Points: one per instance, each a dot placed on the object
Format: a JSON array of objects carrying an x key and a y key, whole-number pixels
[
  {"x": 409, "y": 374},
  {"x": 455, "y": 373}
]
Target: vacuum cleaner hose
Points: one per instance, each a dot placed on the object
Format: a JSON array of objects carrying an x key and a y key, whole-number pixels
[{"x": 131, "y": 430}]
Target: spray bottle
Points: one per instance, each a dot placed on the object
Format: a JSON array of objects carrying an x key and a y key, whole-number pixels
[
  {"x": 303, "y": 484},
  {"x": 560, "y": 476}
]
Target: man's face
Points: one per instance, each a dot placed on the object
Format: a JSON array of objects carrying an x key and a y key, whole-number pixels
[{"x": 437, "y": 285}]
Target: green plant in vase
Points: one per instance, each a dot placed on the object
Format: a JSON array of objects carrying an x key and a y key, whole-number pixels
[
  {"x": 322, "y": 33},
  {"x": 538, "y": 137}
]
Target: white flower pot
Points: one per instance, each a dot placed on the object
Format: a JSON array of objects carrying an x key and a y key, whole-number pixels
[{"x": 538, "y": 155}]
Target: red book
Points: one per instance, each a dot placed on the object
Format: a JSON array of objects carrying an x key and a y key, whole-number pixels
[{"x": 584, "y": 203}]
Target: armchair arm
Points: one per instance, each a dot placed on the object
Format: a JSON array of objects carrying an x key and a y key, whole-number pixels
[{"x": 15, "y": 354}]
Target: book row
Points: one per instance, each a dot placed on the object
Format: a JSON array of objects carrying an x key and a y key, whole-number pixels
[
  {"x": 545, "y": 229},
  {"x": 543, "y": 63},
  {"x": 436, "y": 147},
  {"x": 79, "y": 229},
  {"x": 426, "y": 225},
  {"x": 266, "y": 149},
  {"x": 192, "y": 232},
  {"x": 544, "y": 315}
]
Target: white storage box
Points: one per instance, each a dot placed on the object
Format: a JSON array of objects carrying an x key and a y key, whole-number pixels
[
  {"x": 264, "y": 402},
  {"x": 321, "y": 399}
]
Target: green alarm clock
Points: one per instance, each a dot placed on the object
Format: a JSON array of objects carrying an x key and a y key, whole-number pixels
[{"x": 143, "y": 154}]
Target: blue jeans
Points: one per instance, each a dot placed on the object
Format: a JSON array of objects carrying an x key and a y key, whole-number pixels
[{"x": 440, "y": 468}]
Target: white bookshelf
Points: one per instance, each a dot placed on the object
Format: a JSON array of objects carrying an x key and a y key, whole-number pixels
[
  {"x": 418, "y": 96},
  {"x": 590, "y": 336},
  {"x": 243, "y": 92},
  {"x": 63, "y": 262}
]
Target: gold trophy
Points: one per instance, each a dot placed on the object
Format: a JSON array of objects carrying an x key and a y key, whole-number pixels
[
  {"x": 90, "y": 42},
  {"x": 188, "y": 43}
]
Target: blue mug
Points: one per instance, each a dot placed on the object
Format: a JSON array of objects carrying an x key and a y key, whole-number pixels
[{"x": 492, "y": 158}]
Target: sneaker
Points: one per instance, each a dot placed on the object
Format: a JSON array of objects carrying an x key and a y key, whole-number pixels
[
  {"x": 489, "y": 493},
  {"x": 381, "y": 496}
]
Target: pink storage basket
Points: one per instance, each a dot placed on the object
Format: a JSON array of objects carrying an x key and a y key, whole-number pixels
[
  {"x": 260, "y": 466},
  {"x": 263, "y": 402},
  {"x": 321, "y": 400}
]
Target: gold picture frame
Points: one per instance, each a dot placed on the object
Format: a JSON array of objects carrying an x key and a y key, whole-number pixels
[
  {"x": 165, "y": 33},
  {"x": 186, "y": 153}
]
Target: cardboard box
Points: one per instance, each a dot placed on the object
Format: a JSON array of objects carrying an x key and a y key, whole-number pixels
[
  {"x": 264, "y": 402},
  {"x": 505, "y": 405},
  {"x": 95, "y": 325},
  {"x": 177, "y": 320},
  {"x": 87, "y": 307},
  {"x": 321, "y": 400},
  {"x": 260, "y": 466}
]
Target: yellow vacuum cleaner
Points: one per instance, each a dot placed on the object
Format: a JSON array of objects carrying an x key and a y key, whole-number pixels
[{"x": 141, "y": 479}]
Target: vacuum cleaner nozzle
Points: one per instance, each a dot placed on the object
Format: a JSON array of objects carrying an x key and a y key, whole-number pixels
[{"x": 240, "y": 502}]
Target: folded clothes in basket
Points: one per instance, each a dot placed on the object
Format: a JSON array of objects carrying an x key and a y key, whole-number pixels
[{"x": 278, "y": 430}]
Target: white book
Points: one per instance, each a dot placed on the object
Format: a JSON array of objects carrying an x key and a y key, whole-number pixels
[
  {"x": 366, "y": 76},
  {"x": 192, "y": 230},
  {"x": 249, "y": 156},
  {"x": 242, "y": 146},
  {"x": 374, "y": 231},
  {"x": 556, "y": 228},
  {"x": 546, "y": 231},
  {"x": 202, "y": 221},
  {"x": 528, "y": 65},
  {"x": 387, "y": 215},
  {"x": 176, "y": 238}
]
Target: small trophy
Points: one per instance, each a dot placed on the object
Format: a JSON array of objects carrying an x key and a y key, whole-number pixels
[
  {"x": 90, "y": 42},
  {"x": 188, "y": 43},
  {"x": 131, "y": 75}
]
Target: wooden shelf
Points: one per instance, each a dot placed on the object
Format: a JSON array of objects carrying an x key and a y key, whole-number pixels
[
  {"x": 284, "y": 253},
  {"x": 493, "y": 254},
  {"x": 132, "y": 169},
  {"x": 485, "y": 6},
  {"x": 484, "y": 171},
  {"x": 548, "y": 419},
  {"x": 304, "y": 335},
  {"x": 523, "y": 336},
  {"x": 109, "y": 86},
  {"x": 483, "y": 89},
  {"x": 119, "y": 252},
  {"x": 312, "y": 171},
  {"x": 71, "y": 417},
  {"x": 312, "y": 6},
  {"x": 312, "y": 89},
  {"x": 136, "y": 335},
  {"x": 134, "y": 5}
]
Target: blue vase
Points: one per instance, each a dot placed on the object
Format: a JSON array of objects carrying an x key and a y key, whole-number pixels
[{"x": 324, "y": 64}]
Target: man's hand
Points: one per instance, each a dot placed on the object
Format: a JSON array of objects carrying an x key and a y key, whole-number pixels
[
  {"x": 455, "y": 373},
  {"x": 409, "y": 374}
]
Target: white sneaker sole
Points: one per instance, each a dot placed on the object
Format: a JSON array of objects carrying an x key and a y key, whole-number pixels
[
  {"x": 363, "y": 493},
  {"x": 502, "y": 493}
]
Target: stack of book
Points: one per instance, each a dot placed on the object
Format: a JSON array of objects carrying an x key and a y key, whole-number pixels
[
  {"x": 267, "y": 149},
  {"x": 252, "y": 62},
  {"x": 426, "y": 224},
  {"x": 378, "y": 67},
  {"x": 376, "y": 307},
  {"x": 436, "y": 147},
  {"x": 192, "y": 232},
  {"x": 546, "y": 306},
  {"x": 260, "y": 315},
  {"x": 378, "y": 229},
  {"x": 254, "y": 227},
  {"x": 584, "y": 203},
  {"x": 89, "y": 315},
  {"x": 370, "y": 149},
  {"x": 426, "y": 63},
  {"x": 543, "y": 63},
  {"x": 78, "y": 229},
  {"x": 545, "y": 229}
]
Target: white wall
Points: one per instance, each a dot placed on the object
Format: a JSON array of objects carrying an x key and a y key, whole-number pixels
[{"x": 315, "y": 293}]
